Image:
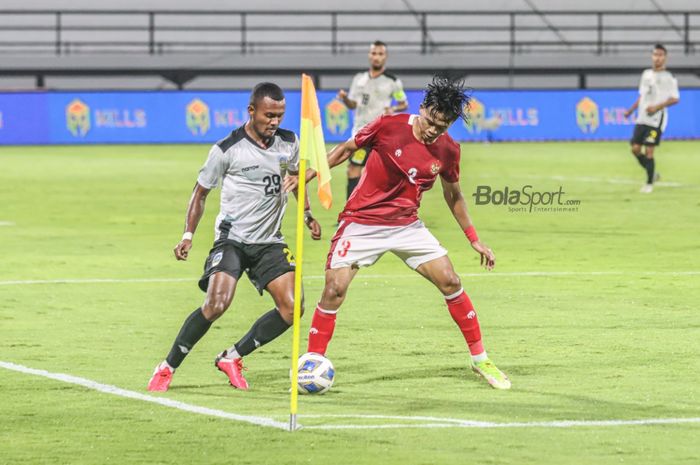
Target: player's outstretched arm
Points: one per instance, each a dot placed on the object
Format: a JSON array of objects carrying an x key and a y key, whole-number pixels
[
  {"x": 336, "y": 156},
  {"x": 400, "y": 106},
  {"x": 195, "y": 210},
  {"x": 631, "y": 109},
  {"x": 311, "y": 223},
  {"x": 458, "y": 206},
  {"x": 651, "y": 109},
  {"x": 343, "y": 96}
]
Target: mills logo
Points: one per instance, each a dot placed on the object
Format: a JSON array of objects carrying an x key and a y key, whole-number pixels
[
  {"x": 477, "y": 115},
  {"x": 197, "y": 117},
  {"x": 78, "y": 118},
  {"x": 478, "y": 121},
  {"x": 337, "y": 117},
  {"x": 587, "y": 115}
]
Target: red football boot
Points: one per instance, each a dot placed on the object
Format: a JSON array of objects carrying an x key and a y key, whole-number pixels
[
  {"x": 232, "y": 367},
  {"x": 162, "y": 376}
]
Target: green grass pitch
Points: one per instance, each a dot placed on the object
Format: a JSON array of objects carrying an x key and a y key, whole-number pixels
[{"x": 593, "y": 314}]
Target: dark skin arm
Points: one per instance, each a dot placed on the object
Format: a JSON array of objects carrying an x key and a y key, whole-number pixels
[
  {"x": 195, "y": 210},
  {"x": 651, "y": 109},
  {"x": 291, "y": 184},
  {"x": 343, "y": 96},
  {"x": 399, "y": 107},
  {"x": 458, "y": 206},
  {"x": 336, "y": 156},
  {"x": 631, "y": 109}
]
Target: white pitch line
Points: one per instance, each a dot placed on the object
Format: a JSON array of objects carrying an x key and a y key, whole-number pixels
[
  {"x": 534, "y": 424},
  {"x": 437, "y": 422},
  {"x": 593, "y": 179},
  {"x": 7, "y": 223},
  {"x": 95, "y": 281},
  {"x": 116, "y": 391},
  {"x": 367, "y": 276}
]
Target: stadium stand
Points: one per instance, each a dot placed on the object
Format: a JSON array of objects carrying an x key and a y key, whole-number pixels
[{"x": 502, "y": 44}]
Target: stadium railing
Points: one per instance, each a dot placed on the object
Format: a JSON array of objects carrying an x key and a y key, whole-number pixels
[{"x": 68, "y": 32}]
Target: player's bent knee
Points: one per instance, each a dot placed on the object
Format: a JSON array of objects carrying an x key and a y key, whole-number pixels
[
  {"x": 287, "y": 313},
  {"x": 334, "y": 293},
  {"x": 213, "y": 309},
  {"x": 216, "y": 304},
  {"x": 450, "y": 283}
]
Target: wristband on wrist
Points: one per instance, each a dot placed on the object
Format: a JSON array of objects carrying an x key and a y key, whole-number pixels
[
  {"x": 187, "y": 236},
  {"x": 308, "y": 216},
  {"x": 470, "y": 232}
]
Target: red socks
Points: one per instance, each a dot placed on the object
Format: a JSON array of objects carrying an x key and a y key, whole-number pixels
[
  {"x": 321, "y": 332},
  {"x": 463, "y": 313}
]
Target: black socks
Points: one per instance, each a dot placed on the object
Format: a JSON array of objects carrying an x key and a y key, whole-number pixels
[
  {"x": 265, "y": 329},
  {"x": 649, "y": 165},
  {"x": 194, "y": 327},
  {"x": 650, "y": 170},
  {"x": 352, "y": 184}
]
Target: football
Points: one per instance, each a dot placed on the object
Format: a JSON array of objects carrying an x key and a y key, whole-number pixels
[{"x": 316, "y": 374}]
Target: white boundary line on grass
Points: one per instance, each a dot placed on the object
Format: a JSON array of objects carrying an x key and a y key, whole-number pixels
[
  {"x": 95, "y": 281},
  {"x": 594, "y": 179},
  {"x": 367, "y": 276},
  {"x": 450, "y": 423},
  {"x": 108, "y": 389},
  {"x": 436, "y": 422}
]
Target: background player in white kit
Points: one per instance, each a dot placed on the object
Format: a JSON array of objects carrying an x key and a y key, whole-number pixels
[
  {"x": 658, "y": 90},
  {"x": 371, "y": 95},
  {"x": 253, "y": 164}
]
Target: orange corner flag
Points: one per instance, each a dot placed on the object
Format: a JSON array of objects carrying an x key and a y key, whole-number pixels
[{"x": 312, "y": 146}]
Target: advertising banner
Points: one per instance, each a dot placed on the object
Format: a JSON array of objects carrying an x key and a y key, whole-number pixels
[{"x": 207, "y": 116}]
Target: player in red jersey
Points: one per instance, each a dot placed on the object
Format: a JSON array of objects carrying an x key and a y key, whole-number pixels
[{"x": 409, "y": 153}]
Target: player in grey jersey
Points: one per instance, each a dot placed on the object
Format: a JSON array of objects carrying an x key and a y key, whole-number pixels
[
  {"x": 371, "y": 94},
  {"x": 658, "y": 90},
  {"x": 258, "y": 166}
]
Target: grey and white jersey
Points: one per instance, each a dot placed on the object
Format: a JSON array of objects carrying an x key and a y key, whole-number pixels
[
  {"x": 655, "y": 87},
  {"x": 252, "y": 199},
  {"x": 373, "y": 95}
]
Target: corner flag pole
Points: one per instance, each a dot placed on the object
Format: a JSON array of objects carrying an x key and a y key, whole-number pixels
[
  {"x": 312, "y": 149},
  {"x": 301, "y": 197}
]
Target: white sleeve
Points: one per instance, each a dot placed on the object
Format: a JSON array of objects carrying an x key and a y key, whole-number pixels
[
  {"x": 214, "y": 168},
  {"x": 673, "y": 91},
  {"x": 641, "y": 84},
  {"x": 293, "y": 165},
  {"x": 354, "y": 92}
]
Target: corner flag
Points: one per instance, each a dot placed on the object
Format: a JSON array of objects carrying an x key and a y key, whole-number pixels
[{"x": 312, "y": 146}]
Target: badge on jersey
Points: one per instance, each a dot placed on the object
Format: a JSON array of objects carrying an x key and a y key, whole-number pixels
[
  {"x": 217, "y": 258},
  {"x": 284, "y": 162}
]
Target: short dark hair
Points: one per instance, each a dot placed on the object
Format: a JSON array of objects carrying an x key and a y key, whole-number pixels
[
  {"x": 266, "y": 89},
  {"x": 379, "y": 43},
  {"x": 449, "y": 97},
  {"x": 660, "y": 47}
]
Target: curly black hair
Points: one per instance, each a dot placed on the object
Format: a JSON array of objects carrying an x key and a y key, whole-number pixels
[{"x": 448, "y": 97}]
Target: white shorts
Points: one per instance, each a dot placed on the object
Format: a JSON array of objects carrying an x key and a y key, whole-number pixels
[{"x": 362, "y": 245}]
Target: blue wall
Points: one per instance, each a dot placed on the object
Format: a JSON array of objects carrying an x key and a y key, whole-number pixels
[{"x": 187, "y": 117}]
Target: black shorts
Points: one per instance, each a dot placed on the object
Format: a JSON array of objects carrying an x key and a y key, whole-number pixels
[
  {"x": 646, "y": 135},
  {"x": 262, "y": 262},
  {"x": 359, "y": 158}
]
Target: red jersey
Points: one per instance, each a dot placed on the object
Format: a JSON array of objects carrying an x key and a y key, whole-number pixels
[{"x": 399, "y": 169}]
